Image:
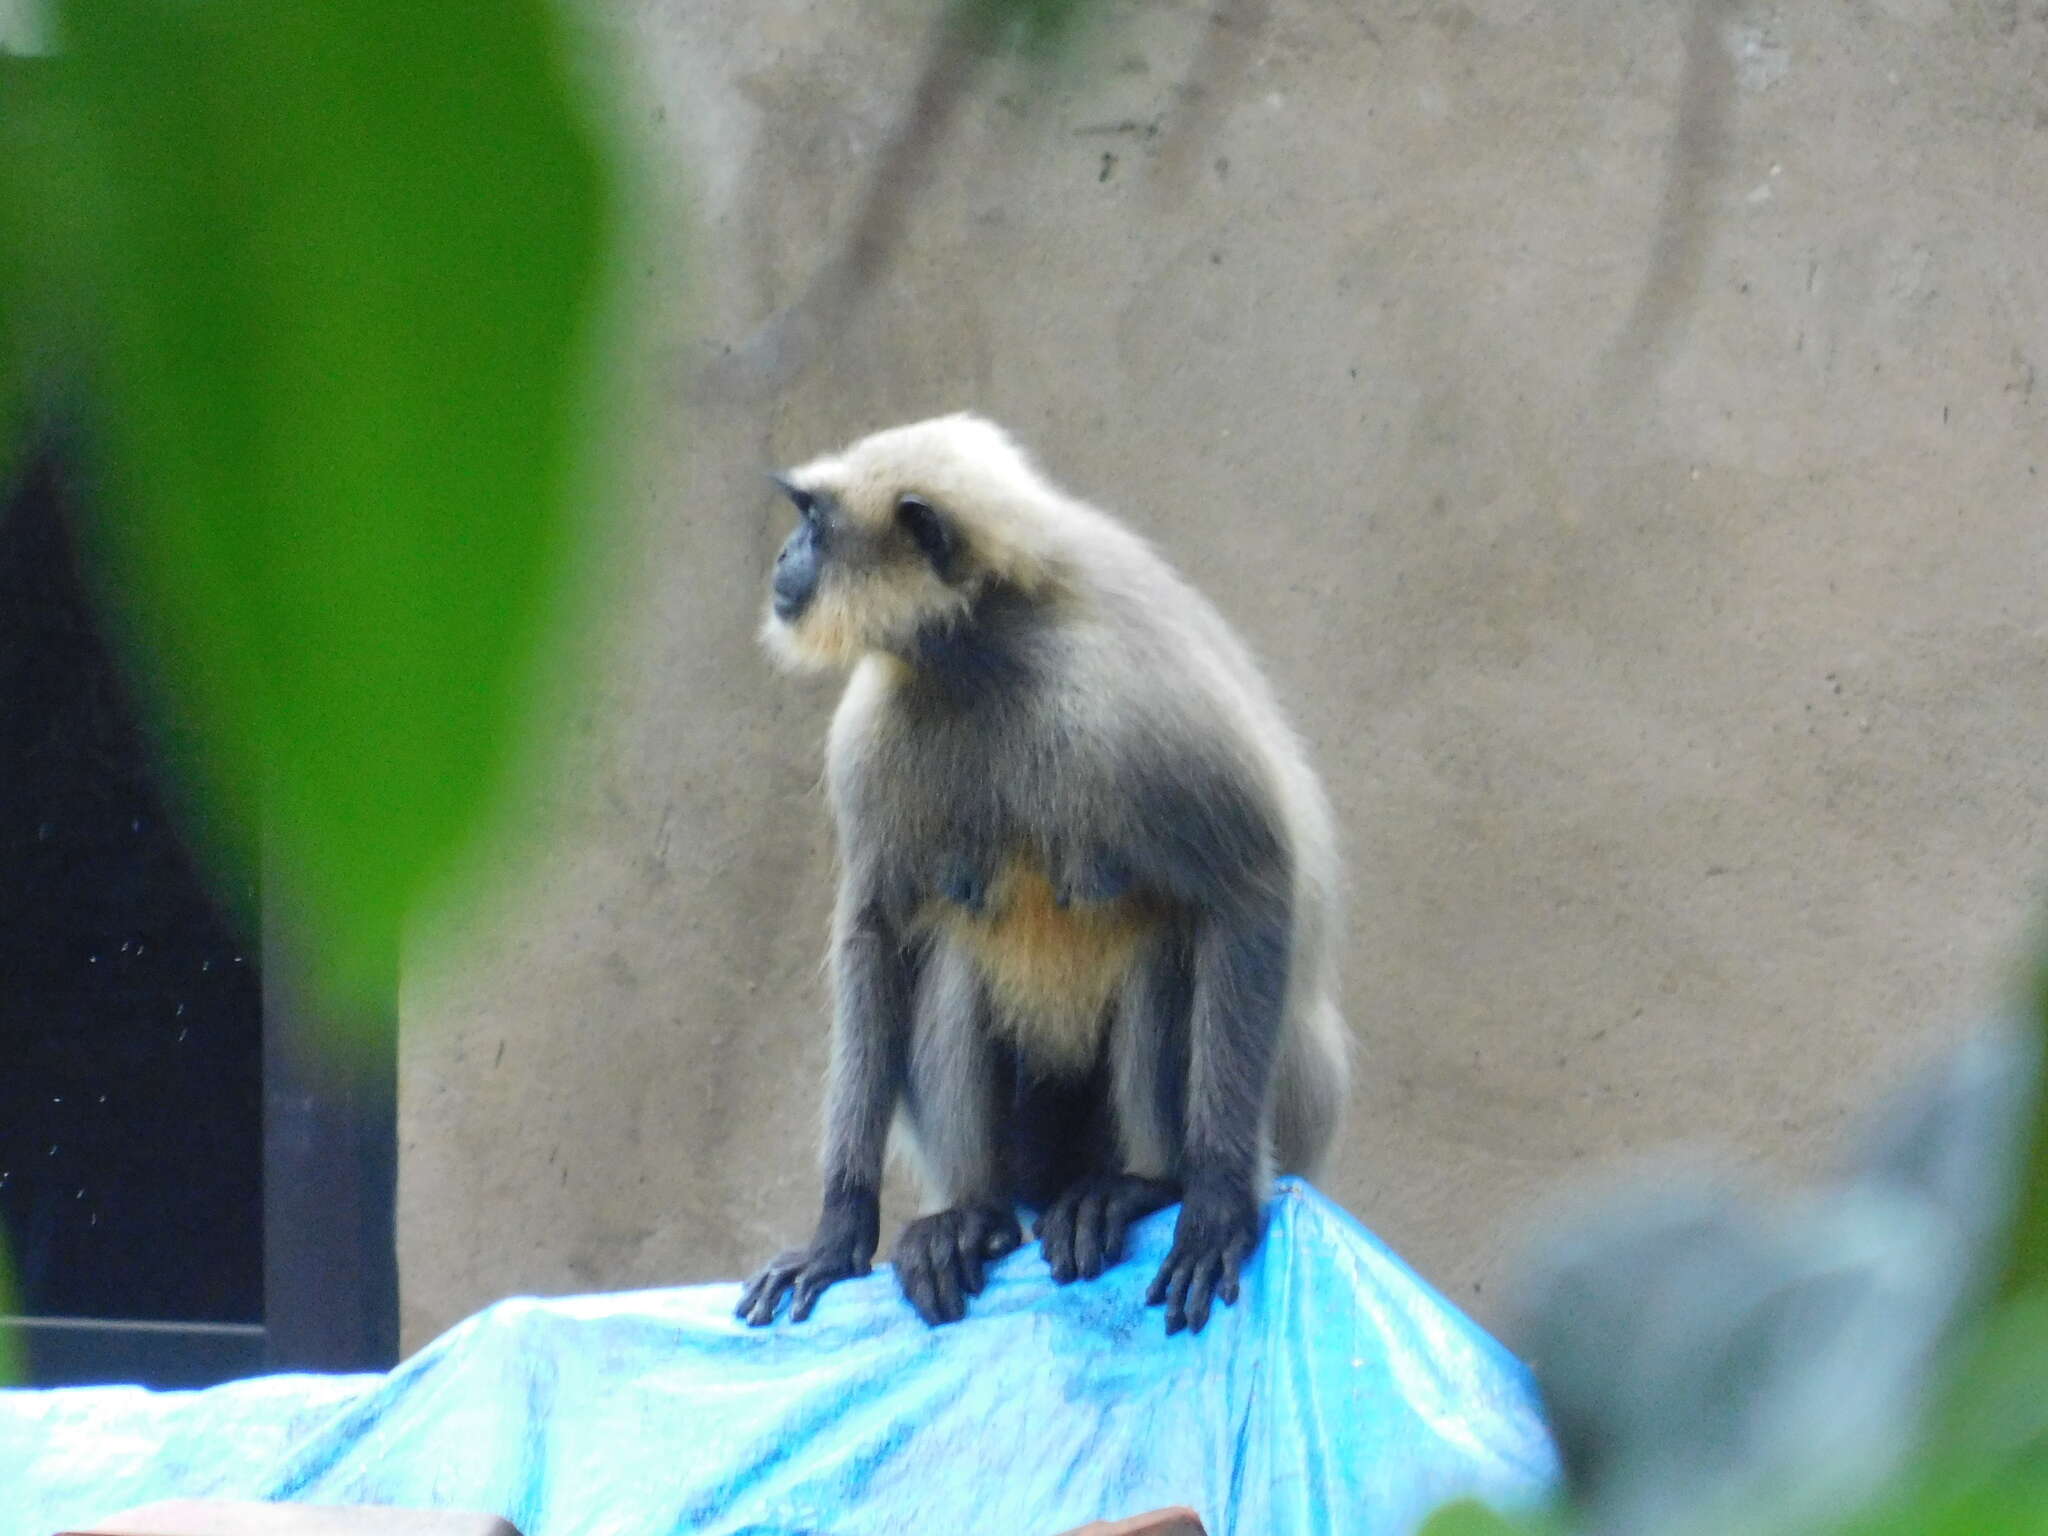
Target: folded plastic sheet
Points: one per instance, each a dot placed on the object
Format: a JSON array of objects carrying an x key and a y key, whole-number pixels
[{"x": 1339, "y": 1394}]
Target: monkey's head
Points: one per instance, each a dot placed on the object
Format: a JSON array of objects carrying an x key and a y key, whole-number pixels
[{"x": 898, "y": 535}]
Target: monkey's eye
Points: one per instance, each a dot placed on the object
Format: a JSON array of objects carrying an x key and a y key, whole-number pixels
[{"x": 928, "y": 531}]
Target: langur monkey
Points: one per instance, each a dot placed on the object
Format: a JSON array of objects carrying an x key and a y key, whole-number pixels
[{"x": 1081, "y": 951}]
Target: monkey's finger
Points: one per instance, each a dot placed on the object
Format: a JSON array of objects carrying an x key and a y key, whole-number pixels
[
  {"x": 1233, "y": 1265},
  {"x": 749, "y": 1294},
  {"x": 1178, "y": 1272},
  {"x": 766, "y": 1296},
  {"x": 929, "y": 1283},
  {"x": 810, "y": 1285},
  {"x": 1113, "y": 1229},
  {"x": 914, "y": 1275},
  {"x": 1056, "y": 1232},
  {"x": 1156, "y": 1292},
  {"x": 1201, "y": 1287},
  {"x": 1116, "y": 1225},
  {"x": 1177, "y": 1260},
  {"x": 947, "y": 1304},
  {"x": 762, "y": 1285},
  {"x": 1089, "y": 1236},
  {"x": 963, "y": 1263}
]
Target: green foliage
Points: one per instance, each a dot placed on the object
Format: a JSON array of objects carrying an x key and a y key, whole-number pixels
[
  {"x": 12, "y": 372},
  {"x": 332, "y": 275},
  {"x": 35, "y": 221},
  {"x": 1983, "y": 1467},
  {"x": 12, "y": 1370},
  {"x": 1042, "y": 28},
  {"x": 13, "y": 366},
  {"x": 1468, "y": 1517},
  {"x": 2026, "y": 1260}
]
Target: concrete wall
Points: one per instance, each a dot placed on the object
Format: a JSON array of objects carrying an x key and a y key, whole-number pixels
[{"x": 1625, "y": 451}]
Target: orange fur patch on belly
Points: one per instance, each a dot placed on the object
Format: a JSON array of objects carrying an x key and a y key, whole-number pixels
[{"x": 1051, "y": 972}]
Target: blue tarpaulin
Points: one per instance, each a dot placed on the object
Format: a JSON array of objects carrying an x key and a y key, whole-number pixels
[{"x": 1340, "y": 1394}]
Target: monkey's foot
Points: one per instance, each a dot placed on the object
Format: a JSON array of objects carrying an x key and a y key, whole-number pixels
[
  {"x": 1216, "y": 1233},
  {"x": 940, "y": 1259},
  {"x": 1083, "y": 1230},
  {"x": 839, "y": 1250}
]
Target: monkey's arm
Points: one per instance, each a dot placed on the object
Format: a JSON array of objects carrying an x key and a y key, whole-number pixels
[
  {"x": 1209, "y": 839},
  {"x": 870, "y": 1046},
  {"x": 1241, "y": 959}
]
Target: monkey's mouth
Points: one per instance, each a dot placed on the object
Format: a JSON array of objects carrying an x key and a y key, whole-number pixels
[{"x": 788, "y": 607}]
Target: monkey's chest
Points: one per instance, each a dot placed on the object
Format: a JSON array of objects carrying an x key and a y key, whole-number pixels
[{"x": 1051, "y": 971}]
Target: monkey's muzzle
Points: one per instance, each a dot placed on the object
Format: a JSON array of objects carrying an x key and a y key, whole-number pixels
[{"x": 796, "y": 572}]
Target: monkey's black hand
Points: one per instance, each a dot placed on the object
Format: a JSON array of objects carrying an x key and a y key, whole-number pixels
[
  {"x": 940, "y": 1259},
  {"x": 1083, "y": 1230},
  {"x": 1217, "y": 1231},
  {"x": 839, "y": 1250}
]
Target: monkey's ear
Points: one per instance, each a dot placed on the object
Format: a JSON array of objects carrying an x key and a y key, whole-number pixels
[
  {"x": 929, "y": 531},
  {"x": 802, "y": 498}
]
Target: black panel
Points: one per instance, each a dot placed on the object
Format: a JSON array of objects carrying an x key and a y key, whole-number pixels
[
  {"x": 167, "y": 1356},
  {"x": 130, "y": 1011}
]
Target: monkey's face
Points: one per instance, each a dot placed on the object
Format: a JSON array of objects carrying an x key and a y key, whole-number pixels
[{"x": 866, "y": 569}]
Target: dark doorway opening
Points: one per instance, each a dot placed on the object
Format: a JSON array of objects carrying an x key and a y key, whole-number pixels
[{"x": 138, "y": 1040}]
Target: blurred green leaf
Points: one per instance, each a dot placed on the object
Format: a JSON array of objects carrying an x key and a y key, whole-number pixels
[
  {"x": 1037, "y": 27},
  {"x": 26, "y": 121},
  {"x": 342, "y": 267},
  {"x": 1469, "y": 1517},
  {"x": 1941, "y": 1509},
  {"x": 2026, "y": 1265},
  {"x": 1992, "y": 1415},
  {"x": 1982, "y": 1468},
  {"x": 13, "y": 1372},
  {"x": 12, "y": 383}
]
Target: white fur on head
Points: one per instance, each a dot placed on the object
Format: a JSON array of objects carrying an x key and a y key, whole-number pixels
[{"x": 1005, "y": 512}]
